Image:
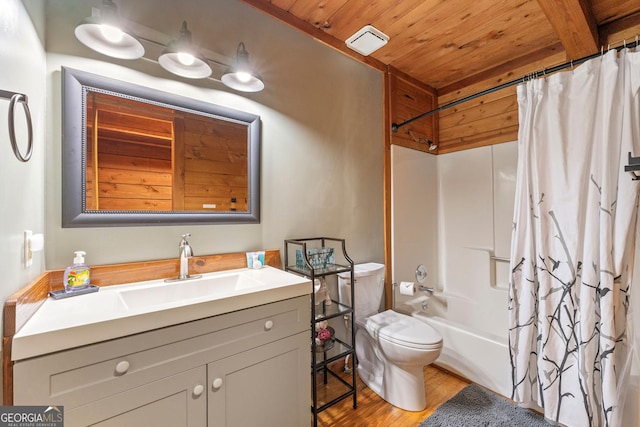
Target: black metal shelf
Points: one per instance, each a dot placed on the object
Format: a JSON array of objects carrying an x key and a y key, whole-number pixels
[
  {"x": 334, "y": 310},
  {"x": 324, "y": 264},
  {"x": 344, "y": 390},
  {"x": 320, "y": 272},
  {"x": 342, "y": 350}
]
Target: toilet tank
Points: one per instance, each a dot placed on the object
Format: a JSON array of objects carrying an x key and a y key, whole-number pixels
[{"x": 369, "y": 288}]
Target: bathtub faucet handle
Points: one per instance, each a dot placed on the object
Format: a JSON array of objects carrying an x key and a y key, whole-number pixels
[
  {"x": 426, "y": 289},
  {"x": 421, "y": 273}
]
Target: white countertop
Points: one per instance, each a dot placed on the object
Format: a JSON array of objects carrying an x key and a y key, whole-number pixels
[{"x": 121, "y": 310}]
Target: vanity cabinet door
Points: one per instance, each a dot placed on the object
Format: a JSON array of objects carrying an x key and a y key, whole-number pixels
[
  {"x": 267, "y": 386},
  {"x": 175, "y": 401}
]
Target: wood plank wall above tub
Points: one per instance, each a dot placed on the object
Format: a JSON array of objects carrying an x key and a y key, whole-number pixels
[
  {"x": 20, "y": 306},
  {"x": 409, "y": 98}
]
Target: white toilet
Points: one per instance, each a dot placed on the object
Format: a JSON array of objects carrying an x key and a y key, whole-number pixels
[{"x": 391, "y": 348}]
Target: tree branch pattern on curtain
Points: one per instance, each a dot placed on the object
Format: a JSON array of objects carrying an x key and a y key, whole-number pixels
[{"x": 574, "y": 231}]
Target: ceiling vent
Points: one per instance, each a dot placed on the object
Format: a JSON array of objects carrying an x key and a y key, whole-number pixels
[{"x": 367, "y": 40}]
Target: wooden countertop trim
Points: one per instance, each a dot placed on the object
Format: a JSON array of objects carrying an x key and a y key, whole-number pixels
[{"x": 20, "y": 306}]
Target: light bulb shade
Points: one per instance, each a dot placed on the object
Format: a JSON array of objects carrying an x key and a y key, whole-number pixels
[
  {"x": 104, "y": 34},
  {"x": 181, "y": 58},
  {"x": 174, "y": 63},
  {"x": 236, "y": 80},
  {"x": 240, "y": 76}
]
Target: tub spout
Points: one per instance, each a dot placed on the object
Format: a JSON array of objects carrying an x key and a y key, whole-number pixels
[{"x": 426, "y": 289}]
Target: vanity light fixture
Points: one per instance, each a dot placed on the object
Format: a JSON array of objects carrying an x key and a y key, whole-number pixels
[
  {"x": 105, "y": 34},
  {"x": 241, "y": 76},
  {"x": 181, "y": 58}
]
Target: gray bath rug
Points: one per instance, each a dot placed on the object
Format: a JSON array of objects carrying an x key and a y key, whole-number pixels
[{"x": 475, "y": 406}]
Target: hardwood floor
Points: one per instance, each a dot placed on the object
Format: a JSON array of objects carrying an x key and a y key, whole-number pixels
[{"x": 373, "y": 411}]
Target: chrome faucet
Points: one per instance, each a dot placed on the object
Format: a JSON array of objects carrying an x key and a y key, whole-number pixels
[{"x": 185, "y": 252}]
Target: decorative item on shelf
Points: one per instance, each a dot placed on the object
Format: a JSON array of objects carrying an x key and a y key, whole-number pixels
[
  {"x": 318, "y": 258},
  {"x": 324, "y": 336},
  {"x": 321, "y": 291}
]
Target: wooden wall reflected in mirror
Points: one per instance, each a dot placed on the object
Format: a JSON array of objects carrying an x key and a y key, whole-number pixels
[
  {"x": 153, "y": 158},
  {"x": 136, "y": 156}
]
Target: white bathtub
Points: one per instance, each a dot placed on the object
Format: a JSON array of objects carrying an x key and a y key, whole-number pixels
[{"x": 477, "y": 356}]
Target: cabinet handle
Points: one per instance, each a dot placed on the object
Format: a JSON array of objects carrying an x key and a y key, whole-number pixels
[
  {"x": 268, "y": 325},
  {"x": 122, "y": 367},
  {"x": 217, "y": 383},
  {"x": 197, "y": 390}
]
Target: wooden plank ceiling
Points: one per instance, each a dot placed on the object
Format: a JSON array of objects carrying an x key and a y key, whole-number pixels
[
  {"x": 458, "y": 47},
  {"x": 444, "y": 42}
]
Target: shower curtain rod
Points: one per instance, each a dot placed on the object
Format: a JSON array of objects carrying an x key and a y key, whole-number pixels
[{"x": 534, "y": 75}]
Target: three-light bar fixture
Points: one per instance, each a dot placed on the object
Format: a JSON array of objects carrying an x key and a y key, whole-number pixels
[{"x": 106, "y": 33}]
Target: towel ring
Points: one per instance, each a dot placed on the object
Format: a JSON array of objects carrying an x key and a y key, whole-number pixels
[{"x": 22, "y": 99}]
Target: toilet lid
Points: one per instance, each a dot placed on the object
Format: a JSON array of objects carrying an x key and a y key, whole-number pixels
[{"x": 403, "y": 330}]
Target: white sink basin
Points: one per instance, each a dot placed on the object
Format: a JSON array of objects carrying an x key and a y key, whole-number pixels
[
  {"x": 131, "y": 308},
  {"x": 206, "y": 287}
]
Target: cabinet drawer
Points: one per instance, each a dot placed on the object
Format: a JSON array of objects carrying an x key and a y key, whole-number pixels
[{"x": 78, "y": 376}]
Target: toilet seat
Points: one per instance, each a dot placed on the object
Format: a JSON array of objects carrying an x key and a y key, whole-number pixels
[{"x": 403, "y": 330}]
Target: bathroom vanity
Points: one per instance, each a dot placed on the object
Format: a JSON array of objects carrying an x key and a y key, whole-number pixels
[{"x": 233, "y": 350}]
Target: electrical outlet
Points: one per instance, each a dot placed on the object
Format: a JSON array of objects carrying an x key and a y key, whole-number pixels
[{"x": 28, "y": 254}]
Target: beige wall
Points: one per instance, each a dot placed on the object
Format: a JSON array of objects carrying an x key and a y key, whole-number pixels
[
  {"x": 321, "y": 136},
  {"x": 322, "y": 144},
  {"x": 21, "y": 184}
]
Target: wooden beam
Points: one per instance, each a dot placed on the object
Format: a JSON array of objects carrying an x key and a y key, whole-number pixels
[
  {"x": 617, "y": 31},
  {"x": 575, "y": 25},
  {"x": 388, "y": 248}
]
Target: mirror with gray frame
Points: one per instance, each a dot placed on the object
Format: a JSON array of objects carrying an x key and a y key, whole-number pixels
[{"x": 133, "y": 156}]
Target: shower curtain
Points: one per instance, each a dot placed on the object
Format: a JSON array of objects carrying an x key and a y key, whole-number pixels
[{"x": 573, "y": 240}]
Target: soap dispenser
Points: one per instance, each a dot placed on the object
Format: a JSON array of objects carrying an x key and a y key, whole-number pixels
[{"x": 77, "y": 276}]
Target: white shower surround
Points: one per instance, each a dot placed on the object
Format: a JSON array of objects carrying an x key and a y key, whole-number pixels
[{"x": 452, "y": 213}]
